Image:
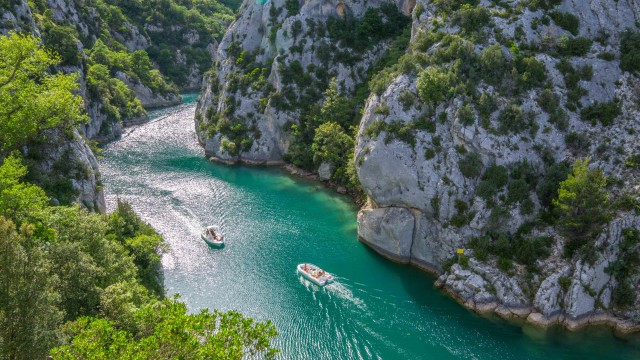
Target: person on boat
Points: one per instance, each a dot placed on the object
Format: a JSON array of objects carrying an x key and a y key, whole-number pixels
[
  {"x": 305, "y": 268},
  {"x": 320, "y": 273}
]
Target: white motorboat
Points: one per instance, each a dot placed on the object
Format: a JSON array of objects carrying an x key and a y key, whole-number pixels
[
  {"x": 212, "y": 236},
  {"x": 315, "y": 274}
]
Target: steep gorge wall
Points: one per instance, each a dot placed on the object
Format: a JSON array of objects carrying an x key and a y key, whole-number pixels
[
  {"x": 429, "y": 193},
  {"x": 271, "y": 61}
]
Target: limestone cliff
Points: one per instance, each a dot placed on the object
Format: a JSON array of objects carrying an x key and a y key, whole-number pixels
[
  {"x": 275, "y": 60},
  {"x": 463, "y": 142},
  {"x": 519, "y": 88}
]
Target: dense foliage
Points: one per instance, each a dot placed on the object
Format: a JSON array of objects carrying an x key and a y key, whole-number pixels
[
  {"x": 630, "y": 51},
  {"x": 32, "y": 100},
  {"x": 172, "y": 22},
  {"x": 172, "y": 40},
  {"x": 582, "y": 204},
  {"x": 164, "y": 330},
  {"x": 96, "y": 273}
]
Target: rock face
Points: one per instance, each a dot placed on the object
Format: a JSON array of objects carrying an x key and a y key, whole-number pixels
[
  {"x": 428, "y": 194},
  {"x": 66, "y": 166},
  {"x": 148, "y": 97},
  {"x": 388, "y": 230},
  {"x": 276, "y": 42}
]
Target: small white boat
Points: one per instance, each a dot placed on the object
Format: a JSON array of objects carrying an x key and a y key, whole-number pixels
[
  {"x": 212, "y": 236},
  {"x": 315, "y": 274}
]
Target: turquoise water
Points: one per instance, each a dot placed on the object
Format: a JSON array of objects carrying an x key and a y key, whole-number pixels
[{"x": 375, "y": 309}]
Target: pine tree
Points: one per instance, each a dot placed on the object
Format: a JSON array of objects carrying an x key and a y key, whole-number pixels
[{"x": 582, "y": 203}]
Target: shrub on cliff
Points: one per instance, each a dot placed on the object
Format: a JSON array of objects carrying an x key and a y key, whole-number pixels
[
  {"x": 433, "y": 84},
  {"x": 582, "y": 204},
  {"x": 630, "y": 51}
]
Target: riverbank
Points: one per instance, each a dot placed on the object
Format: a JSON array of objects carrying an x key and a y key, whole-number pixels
[
  {"x": 273, "y": 222},
  {"x": 295, "y": 171},
  {"x": 516, "y": 315},
  {"x": 529, "y": 315}
]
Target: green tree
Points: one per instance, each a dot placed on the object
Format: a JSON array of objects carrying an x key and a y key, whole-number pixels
[
  {"x": 335, "y": 108},
  {"x": 433, "y": 85},
  {"x": 331, "y": 144},
  {"x": 32, "y": 100},
  {"x": 64, "y": 41},
  {"x": 166, "y": 331},
  {"x": 630, "y": 51},
  {"x": 583, "y": 202},
  {"x": 143, "y": 243},
  {"x": 29, "y": 315},
  {"x": 86, "y": 259},
  {"x": 18, "y": 201}
]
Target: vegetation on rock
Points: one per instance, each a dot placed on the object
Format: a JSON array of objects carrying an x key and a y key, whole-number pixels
[{"x": 87, "y": 283}]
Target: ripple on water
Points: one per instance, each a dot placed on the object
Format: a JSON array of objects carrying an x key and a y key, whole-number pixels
[{"x": 272, "y": 222}]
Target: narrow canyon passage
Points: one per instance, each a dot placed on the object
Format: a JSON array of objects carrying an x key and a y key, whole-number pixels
[{"x": 272, "y": 222}]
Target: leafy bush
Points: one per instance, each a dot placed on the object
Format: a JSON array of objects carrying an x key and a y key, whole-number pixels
[
  {"x": 165, "y": 329},
  {"x": 547, "y": 189},
  {"x": 32, "y": 100},
  {"x": 625, "y": 267},
  {"x": 375, "y": 25},
  {"x": 633, "y": 161},
  {"x": 532, "y": 72},
  {"x": 330, "y": 143},
  {"x": 518, "y": 191},
  {"x": 567, "y": 21},
  {"x": 512, "y": 119},
  {"x": 448, "y": 6},
  {"x": 487, "y": 104},
  {"x": 605, "y": 112},
  {"x": 471, "y": 165},
  {"x": 64, "y": 41},
  {"x": 630, "y": 51},
  {"x": 606, "y": 56},
  {"x": 548, "y": 101},
  {"x": 292, "y": 6},
  {"x": 433, "y": 84},
  {"x": 505, "y": 264},
  {"x": 462, "y": 216},
  {"x": 578, "y": 142},
  {"x": 471, "y": 18},
  {"x": 493, "y": 180},
  {"x": 579, "y": 46},
  {"x": 466, "y": 114}
]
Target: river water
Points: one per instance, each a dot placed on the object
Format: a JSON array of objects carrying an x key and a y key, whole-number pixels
[{"x": 375, "y": 309}]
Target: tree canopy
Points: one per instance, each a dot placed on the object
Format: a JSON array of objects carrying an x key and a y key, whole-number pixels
[
  {"x": 31, "y": 99},
  {"x": 164, "y": 330},
  {"x": 583, "y": 202}
]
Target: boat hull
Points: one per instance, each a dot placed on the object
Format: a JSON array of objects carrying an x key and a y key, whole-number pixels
[
  {"x": 213, "y": 244},
  {"x": 323, "y": 280}
]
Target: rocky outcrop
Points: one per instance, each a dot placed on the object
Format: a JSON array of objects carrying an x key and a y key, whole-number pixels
[
  {"x": 434, "y": 182},
  {"x": 574, "y": 294},
  {"x": 389, "y": 231},
  {"x": 279, "y": 41},
  {"x": 66, "y": 167},
  {"x": 148, "y": 97},
  {"x": 17, "y": 17}
]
